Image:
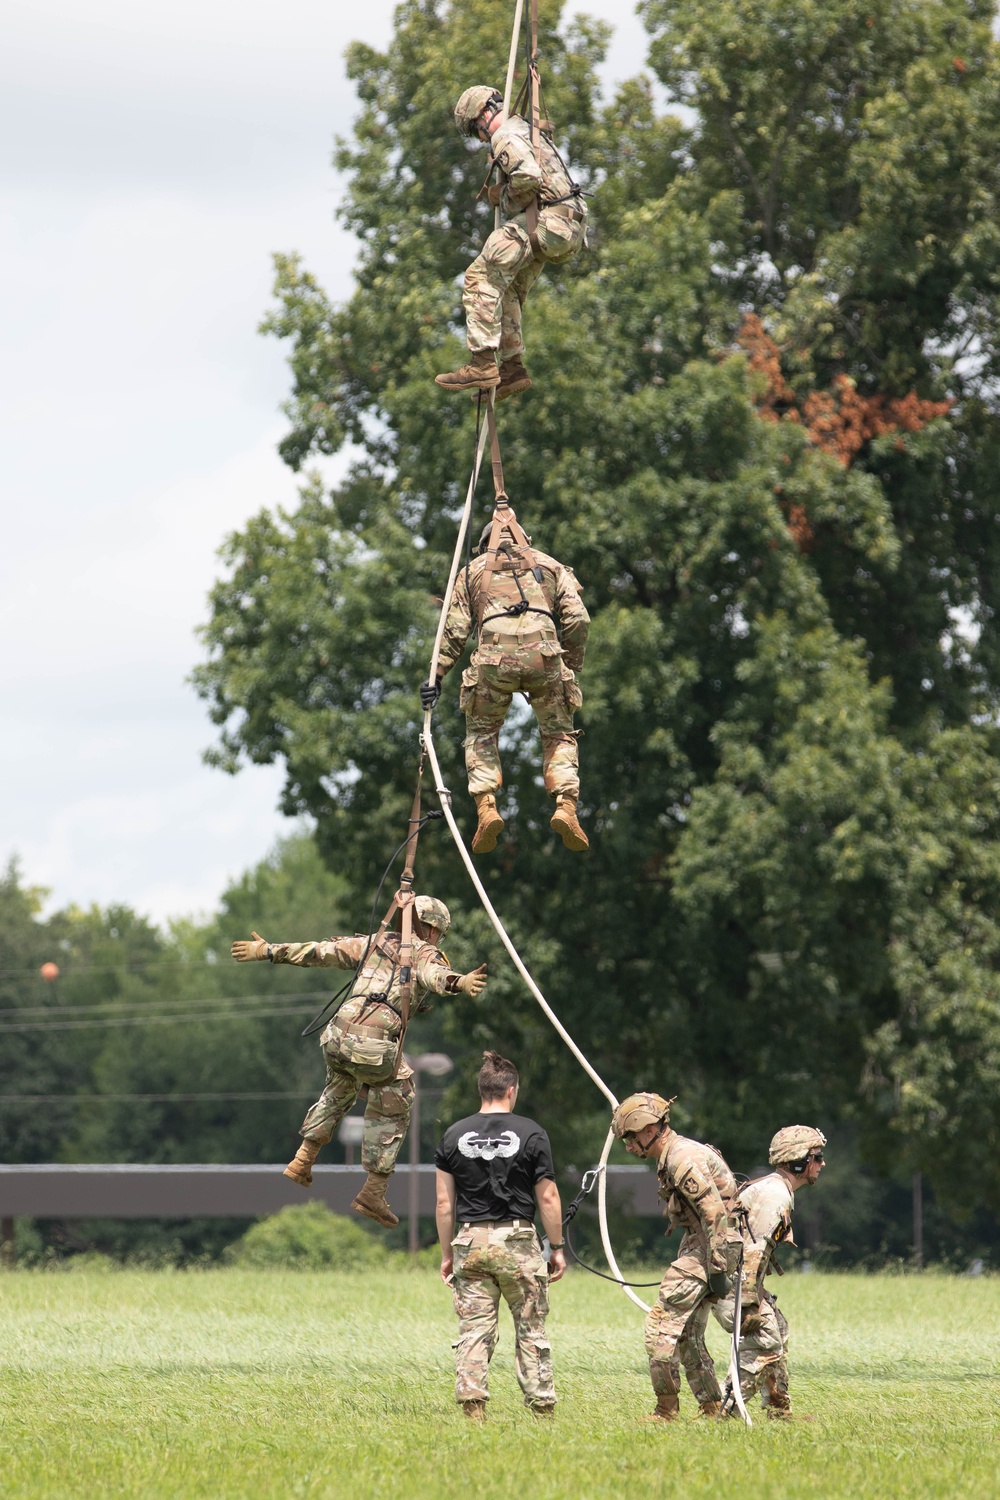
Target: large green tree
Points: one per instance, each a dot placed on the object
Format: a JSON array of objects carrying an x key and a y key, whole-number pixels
[{"x": 765, "y": 432}]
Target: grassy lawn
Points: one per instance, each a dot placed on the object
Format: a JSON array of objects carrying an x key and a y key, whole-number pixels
[{"x": 235, "y": 1383}]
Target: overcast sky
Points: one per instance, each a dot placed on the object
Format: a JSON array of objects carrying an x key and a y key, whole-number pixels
[{"x": 155, "y": 155}]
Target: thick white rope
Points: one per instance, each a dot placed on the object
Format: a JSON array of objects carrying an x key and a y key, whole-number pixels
[
  {"x": 515, "y": 37},
  {"x": 444, "y": 795},
  {"x": 602, "y": 1215}
]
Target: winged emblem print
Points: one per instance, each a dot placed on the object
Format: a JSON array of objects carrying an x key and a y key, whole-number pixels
[{"x": 487, "y": 1147}]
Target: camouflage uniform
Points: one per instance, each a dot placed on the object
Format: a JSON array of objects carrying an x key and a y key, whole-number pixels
[
  {"x": 361, "y": 1041},
  {"x": 508, "y": 266},
  {"x": 491, "y": 1261},
  {"x": 519, "y": 653},
  {"x": 764, "y": 1335},
  {"x": 700, "y": 1193}
]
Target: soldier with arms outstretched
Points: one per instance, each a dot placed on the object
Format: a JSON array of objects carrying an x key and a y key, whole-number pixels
[
  {"x": 532, "y": 627},
  {"x": 700, "y": 1194},
  {"x": 361, "y": 1041},
  {"x": 533, "y": 179}
]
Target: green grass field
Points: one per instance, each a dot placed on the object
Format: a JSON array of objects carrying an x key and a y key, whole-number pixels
[{"x": 236, "y": 1383}]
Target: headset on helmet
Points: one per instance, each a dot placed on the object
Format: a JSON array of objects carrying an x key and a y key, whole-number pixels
[
  {"x": 638, "y": 1111},
  {"x": 433, "y": 913},
  {"x": 793, "y": 1143},
  {"x": 471, "y": 105}
]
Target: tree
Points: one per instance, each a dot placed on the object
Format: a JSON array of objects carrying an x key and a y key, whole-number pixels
[{"x": 764, "y": 432}]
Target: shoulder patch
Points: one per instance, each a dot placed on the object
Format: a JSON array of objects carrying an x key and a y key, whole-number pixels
[{"x": 502, "y": 160}]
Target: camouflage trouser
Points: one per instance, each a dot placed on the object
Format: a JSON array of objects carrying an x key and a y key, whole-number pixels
[
  {"x": 487, "y": 689},
  {"x": 387, "y": 1112},
  {"x": 502, "y": 275},
  {"x": 675, "y": 1330},
  {"x": 490, "y": 1262},
  {"x": 763, "y": 1347}
]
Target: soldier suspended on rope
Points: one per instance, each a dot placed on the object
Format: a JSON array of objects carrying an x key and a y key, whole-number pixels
[
  {"x": 533, "y": 629},
  {"x": 797, "y": 1154},
  {"x": 700, "y": 1194},
  {"x": 362, "y": 1040},
  {"x": 546, "y": 224}
]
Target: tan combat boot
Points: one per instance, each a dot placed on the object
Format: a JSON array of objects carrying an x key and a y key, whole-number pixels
[
  {"x": 475, "y": 1410},
  {"x": 371, "y": 1200},
  {"x": 480, "y": 374},
  {"x": 514, "y": 379},
  {"x": 564, "y": 822},
  {"x": 544, "y": 1409},
  {"x": 484, "y": 840},
  {"x": 668, "y": 1408},
  {"x": 299, "y": 1169},
  {"x": 708, "y": 1409}
]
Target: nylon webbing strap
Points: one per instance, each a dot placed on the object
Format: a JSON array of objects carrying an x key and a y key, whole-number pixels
[
  {"x": 503, "y": 518},
  {"x": 531, "y": 213}
]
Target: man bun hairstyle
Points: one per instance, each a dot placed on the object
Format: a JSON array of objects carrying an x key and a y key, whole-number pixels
[{"x": 496, "y": 1076}]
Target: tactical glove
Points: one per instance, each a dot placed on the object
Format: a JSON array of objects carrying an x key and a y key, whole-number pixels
[
  {"x": 473, "y": 984},
  {"x": 245, "y": 953},
  {"x": 430, "y": 692},
  {"x": 494, "y": 193},
  {"x": 719, "y": 1284},
  {"x": 751, "y": 1322}
]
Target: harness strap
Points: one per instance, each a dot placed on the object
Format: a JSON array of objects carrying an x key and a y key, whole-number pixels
[{"x": 531, "y": 214}]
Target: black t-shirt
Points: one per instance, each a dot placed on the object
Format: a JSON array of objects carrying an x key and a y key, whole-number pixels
[{"x": 496, "y": 1159}]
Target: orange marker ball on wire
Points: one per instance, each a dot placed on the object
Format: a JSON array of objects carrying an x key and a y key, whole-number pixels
[{"x": 49, "y": 971}]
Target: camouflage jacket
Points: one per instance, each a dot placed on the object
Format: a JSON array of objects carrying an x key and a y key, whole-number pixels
[
  {"x": 700, "y": 1193},
  {"x": 374, "y": 1000},
  {"x": 528, "y": 171},
  {"x": 768, "y": 1203},
  {"x": 553, "y": 596}
]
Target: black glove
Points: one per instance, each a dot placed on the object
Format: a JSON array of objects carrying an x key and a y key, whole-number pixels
[
  {"x": 430, "y": 692},
  {"x": 719, "y": 1284}
]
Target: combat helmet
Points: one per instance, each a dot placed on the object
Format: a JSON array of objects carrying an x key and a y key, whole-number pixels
[
  {"x": 433, "y": 913},
  {"x": 487, "y": 532},
  {"x": 794, "y": 1143},
  {"x": 638, "y": 1111},
  {"x": 471, "y": 105}
]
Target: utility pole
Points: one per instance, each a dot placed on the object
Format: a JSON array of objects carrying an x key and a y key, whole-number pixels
[{"x": 436, "y": 1064}]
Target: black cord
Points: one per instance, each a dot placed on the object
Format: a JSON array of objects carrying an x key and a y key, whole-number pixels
[
  {"x": 349, "y": 986},
  {"x": 586, "y": 1187},
  {"x": 602, "y": 1274}
]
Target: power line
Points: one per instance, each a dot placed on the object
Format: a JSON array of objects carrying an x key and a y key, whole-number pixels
[
  {"x": 147, "y": 1098},
  {"x": 120, "y": 1005},
  {"x": 163, "y": 1019}
]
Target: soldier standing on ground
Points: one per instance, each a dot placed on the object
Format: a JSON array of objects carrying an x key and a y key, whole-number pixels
[
  {"x": 514, "y": 256},
  {"x": 700, "y": 1193},
  {"x": 362, "y": 1041},
  {"x": 492, "y": 1170},
  {"x": 532, "y": 627},
  {"x": 797, "y": 1154}
]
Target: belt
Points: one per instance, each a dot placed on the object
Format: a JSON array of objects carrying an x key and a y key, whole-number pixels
[
  {"x": 500, "y": 1224},
  {"x": 564, "y": 210},
  {"x": 513, "y": 641},
  {"x": 358, "y": 1028}
]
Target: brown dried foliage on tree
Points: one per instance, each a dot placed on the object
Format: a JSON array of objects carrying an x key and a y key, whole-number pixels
[{"x": 840, "y": 420}]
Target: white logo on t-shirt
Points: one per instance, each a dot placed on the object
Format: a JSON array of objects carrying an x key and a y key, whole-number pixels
[{"x": 486, "y": 1147}]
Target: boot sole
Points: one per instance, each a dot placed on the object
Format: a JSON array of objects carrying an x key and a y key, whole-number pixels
[
  {"x": 303, "y": 1182},
  {"x": 388, "y": 1221},
  {"x": 577, "y": 842},
  {"x": 486, "y": 842},
  {"x": 514, "y": 389},
  {"x": 466, "y": 385}
]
